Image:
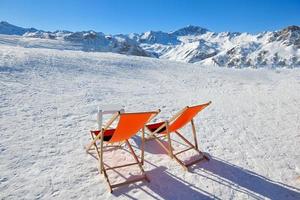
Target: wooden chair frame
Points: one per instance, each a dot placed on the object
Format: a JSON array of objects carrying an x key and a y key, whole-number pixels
[
  {"x": 99, "y": 151},
  {"x": 169, "y": 149}
]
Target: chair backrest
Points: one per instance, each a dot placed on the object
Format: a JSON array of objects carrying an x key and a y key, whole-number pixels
[
  {"x": 186, "y": 116},
  {"x": 129, "y": 124}
]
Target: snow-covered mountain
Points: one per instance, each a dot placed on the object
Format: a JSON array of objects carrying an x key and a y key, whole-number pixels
[
  {"x": 93, "y": 41},
  {"x": 230, "y": 49},
  {"x": 85, "y": 40},
  {"x": 192, "y": 44},
  {"x": 9, "y": 29},
  {"x": 274, "y": 49}
]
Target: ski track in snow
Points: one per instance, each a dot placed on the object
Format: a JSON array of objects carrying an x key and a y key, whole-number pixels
[{"x": 48, "y": 105}]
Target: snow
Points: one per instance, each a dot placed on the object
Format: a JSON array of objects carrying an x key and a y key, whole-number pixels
[
  {"x": 191, "y": 52},
  {"x": 49, "y": 100}
]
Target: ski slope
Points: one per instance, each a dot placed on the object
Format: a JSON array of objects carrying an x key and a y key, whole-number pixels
[{"x": 48, "y": 104}]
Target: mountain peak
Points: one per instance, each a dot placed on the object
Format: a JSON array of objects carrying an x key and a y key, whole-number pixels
[
  {"x": 190, "y": 30},
  {"x": 9, "y": 29},
  {"x": 152, "y": 37},
  {"x": 4, "y": 23},
  {"x": 292, "y": 28}
]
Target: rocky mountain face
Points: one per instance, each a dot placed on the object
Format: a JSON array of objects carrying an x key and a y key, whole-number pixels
[
  {"x": 93, "y": 41},
  {"x": 192, "y": 44},
  {"x": 226, "y": 49},
  {"x": 273, "y": 49}
]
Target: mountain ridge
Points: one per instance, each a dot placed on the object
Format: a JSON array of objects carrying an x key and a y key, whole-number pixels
[{"x": 192, "y": 44}]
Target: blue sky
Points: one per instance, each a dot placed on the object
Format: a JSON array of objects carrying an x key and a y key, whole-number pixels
[{"x": 127, "y": 16}]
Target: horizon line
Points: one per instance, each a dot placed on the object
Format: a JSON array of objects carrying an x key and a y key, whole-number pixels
[{"x": 209, "y": 30}]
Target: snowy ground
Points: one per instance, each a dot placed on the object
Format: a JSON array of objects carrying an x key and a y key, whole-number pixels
[{"x": 48, "y": 103}]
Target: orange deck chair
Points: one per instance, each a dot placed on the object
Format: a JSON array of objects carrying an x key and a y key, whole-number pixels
[
  {"x": 164, "y": 129},
  {"x": 128, "y": 125}
]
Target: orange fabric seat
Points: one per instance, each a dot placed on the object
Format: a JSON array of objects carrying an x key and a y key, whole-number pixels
[
  {"x": 129, "y": 124},
  {"x": 185, "y": 117}
]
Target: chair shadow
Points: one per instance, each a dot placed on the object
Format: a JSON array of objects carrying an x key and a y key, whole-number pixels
[
  {"x": 247, "y": 181},
  {"x": 168, "y": 186},
  {"x": 152, "y": 146},
  {"x": 164, "y": 185}
]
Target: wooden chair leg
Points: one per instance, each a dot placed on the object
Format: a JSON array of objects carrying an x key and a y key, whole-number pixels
[
  {"x": 162, "y": 145},
  {"x": 188, "y": 142},
  {"x": 107, "y": 180},
  {"x": 137, "y": 160},
  {"x": 200, "y": 152},
  {"x": 170, "y": 146},
  {"x": 194, "y": 147},
  {"x": 134, "y": 156},
  {"x": 98, "y": 154},
  {"x": 181, "y": 163},
  {"x": 143, "y": 146},
  {"x": 169, "y": 140},
  {"x": 144, "y": 177},
  {"x": 99, "y": 159},
  {"x": 194, "y": 134}
]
